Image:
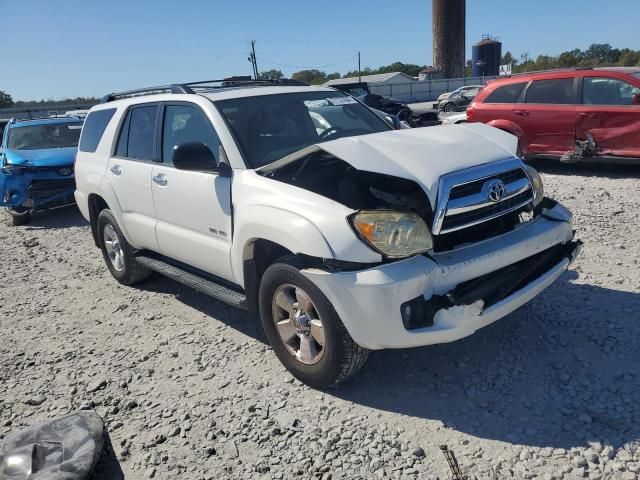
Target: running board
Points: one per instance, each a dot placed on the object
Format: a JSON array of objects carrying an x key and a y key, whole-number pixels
[{"x": 202, "y": 282}]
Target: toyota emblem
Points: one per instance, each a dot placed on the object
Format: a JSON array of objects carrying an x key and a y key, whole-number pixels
[{"x": 496, "y": 191}]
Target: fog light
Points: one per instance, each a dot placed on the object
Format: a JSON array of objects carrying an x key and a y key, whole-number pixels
[
  {"x": 420, "y": 313},
  {"x": 65, "y": 171}
]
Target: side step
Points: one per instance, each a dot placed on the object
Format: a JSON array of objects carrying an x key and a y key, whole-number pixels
[{"x": 205, "y": 283}]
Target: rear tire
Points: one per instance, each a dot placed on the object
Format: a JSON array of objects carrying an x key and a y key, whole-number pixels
[
  {"x": 449, "y": 108},
  {"x": 19, "y": 217},
  {"x": 117, "y": 253},
  {"x": 332, "y": 360}
]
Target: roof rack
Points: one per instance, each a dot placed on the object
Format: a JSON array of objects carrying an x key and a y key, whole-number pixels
[
  {"x": 190, "y": 87},
  {"x": 567, "y": 69}
]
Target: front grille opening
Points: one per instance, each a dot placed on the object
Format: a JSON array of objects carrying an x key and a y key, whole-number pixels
[
  {"x": 477, "y": 233},
  {"x": 475, "y": 187},
  {"x": 462, "y": 219}
]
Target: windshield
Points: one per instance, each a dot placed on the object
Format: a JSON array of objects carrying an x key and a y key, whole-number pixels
[
  {"x": 270, "y": 127},
  {"x": 52, "y": 135}
]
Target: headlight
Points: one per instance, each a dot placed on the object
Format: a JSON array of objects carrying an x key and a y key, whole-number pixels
[
  {"x": 393, "y": 234},
  {"x": 536, "y": 183}
]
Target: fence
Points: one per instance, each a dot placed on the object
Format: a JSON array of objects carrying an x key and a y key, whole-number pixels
[{"x": 423, "y": 91}]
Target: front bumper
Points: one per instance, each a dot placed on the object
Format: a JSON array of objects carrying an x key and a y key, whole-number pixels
[
  {"x": 369, "y": 302},
  {"x": 35, "y": 188}
]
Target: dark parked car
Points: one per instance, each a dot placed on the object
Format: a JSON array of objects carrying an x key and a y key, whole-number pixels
[
  {"x": 458, "y": 101},
  {"x": 387, "y": 105},
  {"x": 569, "y": 114}
]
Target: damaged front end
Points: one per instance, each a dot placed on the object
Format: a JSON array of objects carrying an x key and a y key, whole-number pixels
[{"x": 23, "y": 187}]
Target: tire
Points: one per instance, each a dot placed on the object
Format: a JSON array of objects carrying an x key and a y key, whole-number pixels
[
  {"x": 336, "y": 360},
  {"x": 117, "y": 253},
  {"x": 449, "y": 108},
  {"x": 19, "y": 217}
]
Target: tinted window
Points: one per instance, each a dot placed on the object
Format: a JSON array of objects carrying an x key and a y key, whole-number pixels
[
  {"x": 608, "y": 91},
  {"x": 182, "y": 124},
  {"x": 558, "y": 91},
  {"x": 123, "y": 139},
  {"x": 94, "y": 127},
  {"x": 137, "y": 135},
  {"x": 506, "y": 94}
]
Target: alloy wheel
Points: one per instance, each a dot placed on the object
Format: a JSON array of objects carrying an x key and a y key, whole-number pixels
[{"x": 298, "y": 323}]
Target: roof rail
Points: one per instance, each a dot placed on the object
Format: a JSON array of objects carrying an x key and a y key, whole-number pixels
[
  {"x": 188, "y": 88},
  {"x": 567, "y": 69}
]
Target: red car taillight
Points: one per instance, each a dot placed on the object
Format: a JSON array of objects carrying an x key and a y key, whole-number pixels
[{"x": 470, "y": 114}]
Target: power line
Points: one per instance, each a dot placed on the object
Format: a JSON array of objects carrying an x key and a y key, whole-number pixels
[{"x": 306, "y": 66}]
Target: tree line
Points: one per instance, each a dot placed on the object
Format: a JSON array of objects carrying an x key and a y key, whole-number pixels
[{"x": 596, "y": 55}]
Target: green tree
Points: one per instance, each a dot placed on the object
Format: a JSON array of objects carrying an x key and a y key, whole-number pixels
[
  {"x": 272, "y": 74},
  {"x": 312, "y": 76},
  {"x": 5, "y": 100},
  {"x": 507, "y": 58}
]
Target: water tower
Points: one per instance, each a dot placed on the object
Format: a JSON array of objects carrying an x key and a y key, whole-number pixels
[{"x": 486, "y": 56}]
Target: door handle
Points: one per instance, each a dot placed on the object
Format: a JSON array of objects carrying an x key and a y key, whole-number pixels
[
  {"x": 588, "y": 114},
  {"x": 116, "y": 170},
  {"x": 522, "y": 113},
  {"x": 161, "y": 179}
]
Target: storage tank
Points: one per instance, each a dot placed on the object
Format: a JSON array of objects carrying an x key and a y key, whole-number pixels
[
  {"x": 486, "y": 56},
  {"x": 448, "y": 18}
]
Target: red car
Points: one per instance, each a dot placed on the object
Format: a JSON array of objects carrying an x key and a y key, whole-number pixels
[{"x": 567, "y": 114}]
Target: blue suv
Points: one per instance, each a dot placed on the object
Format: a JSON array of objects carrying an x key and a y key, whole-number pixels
[{"x": 36, "y": 165}]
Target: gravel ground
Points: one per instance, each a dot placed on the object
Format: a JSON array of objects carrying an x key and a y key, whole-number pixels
[{"x": 188, "y": 388}]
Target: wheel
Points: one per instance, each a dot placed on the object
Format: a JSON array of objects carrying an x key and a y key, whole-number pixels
[
  {"x": 449, "y": 108},
  {"x": 303, "y": 328},
  {"x": 19, "y": 216},
  {"x": 117, "y": 253}
]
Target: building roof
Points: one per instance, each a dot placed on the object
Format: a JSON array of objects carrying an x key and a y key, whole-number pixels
[{"x": 376, "y": 78}]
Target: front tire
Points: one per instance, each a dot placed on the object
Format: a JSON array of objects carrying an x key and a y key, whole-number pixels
[
  {"x": 117, "y": 253},
  {"x": 304, "y": 329}
]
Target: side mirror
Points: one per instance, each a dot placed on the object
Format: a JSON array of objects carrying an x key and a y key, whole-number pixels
[
  {"x": 635, "y": 99},
  {"x": 196, "y": 156}
]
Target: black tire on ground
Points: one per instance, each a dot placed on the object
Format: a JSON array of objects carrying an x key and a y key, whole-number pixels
[
  {"x": 20, "y": 217},
  {"x": 449, "y": 108},
  {"x": 342, "y": 356},
  {"x": 131, "y": 271}
]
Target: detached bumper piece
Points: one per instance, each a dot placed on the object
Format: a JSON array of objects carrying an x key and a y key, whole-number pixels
[{"x": 490, "y": 288}]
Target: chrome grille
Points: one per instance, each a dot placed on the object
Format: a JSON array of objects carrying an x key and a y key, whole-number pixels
[{"x": 464, "y": 200}]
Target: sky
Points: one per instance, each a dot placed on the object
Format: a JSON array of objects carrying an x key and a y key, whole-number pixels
[{"x": 68, "y": 48}]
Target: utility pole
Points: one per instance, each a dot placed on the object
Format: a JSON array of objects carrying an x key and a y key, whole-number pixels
[
  {"x": 252, "y": 59},
  {"x": 359, "y": 71}
]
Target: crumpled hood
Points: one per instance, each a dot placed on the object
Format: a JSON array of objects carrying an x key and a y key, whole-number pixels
[
  {"x": 419, "y": 154},
  {"x": 48, "y": 157}
]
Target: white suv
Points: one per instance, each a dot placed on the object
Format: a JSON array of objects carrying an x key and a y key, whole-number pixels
[{"x": 301, "y": 204}]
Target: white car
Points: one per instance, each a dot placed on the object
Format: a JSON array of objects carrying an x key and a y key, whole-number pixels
[
  {"x": 446, "y": 95},
  {"x": 343, "y": 234},
  {"x": 453, "y": 118}
]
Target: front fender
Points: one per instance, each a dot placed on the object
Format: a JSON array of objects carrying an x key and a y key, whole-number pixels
[{"x": 290, "y": 230}]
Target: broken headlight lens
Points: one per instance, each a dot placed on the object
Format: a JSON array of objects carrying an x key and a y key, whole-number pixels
[
  {"x": 393, "y": 234},
  {"x": 536, "y": 183}
]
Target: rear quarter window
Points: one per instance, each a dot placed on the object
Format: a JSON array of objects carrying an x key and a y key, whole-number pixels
[
  {"x": 506, "y": 93},
  {"x": 556, "y": 92},
  {"x": 94, "y": 126}
]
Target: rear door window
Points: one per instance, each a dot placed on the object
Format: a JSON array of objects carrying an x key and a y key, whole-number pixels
[
  {"x": 94, "y": 126},
  {"x": 184, "y": 124},
  {"x": 506, "y": 94},
  {"x": 557, "y": 91},
  {"x": 137, "y": 137},
  {"x": 607, "y": 91}
]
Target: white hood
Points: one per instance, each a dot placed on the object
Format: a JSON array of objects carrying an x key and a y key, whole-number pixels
[{"x": 420, "y": 154}]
